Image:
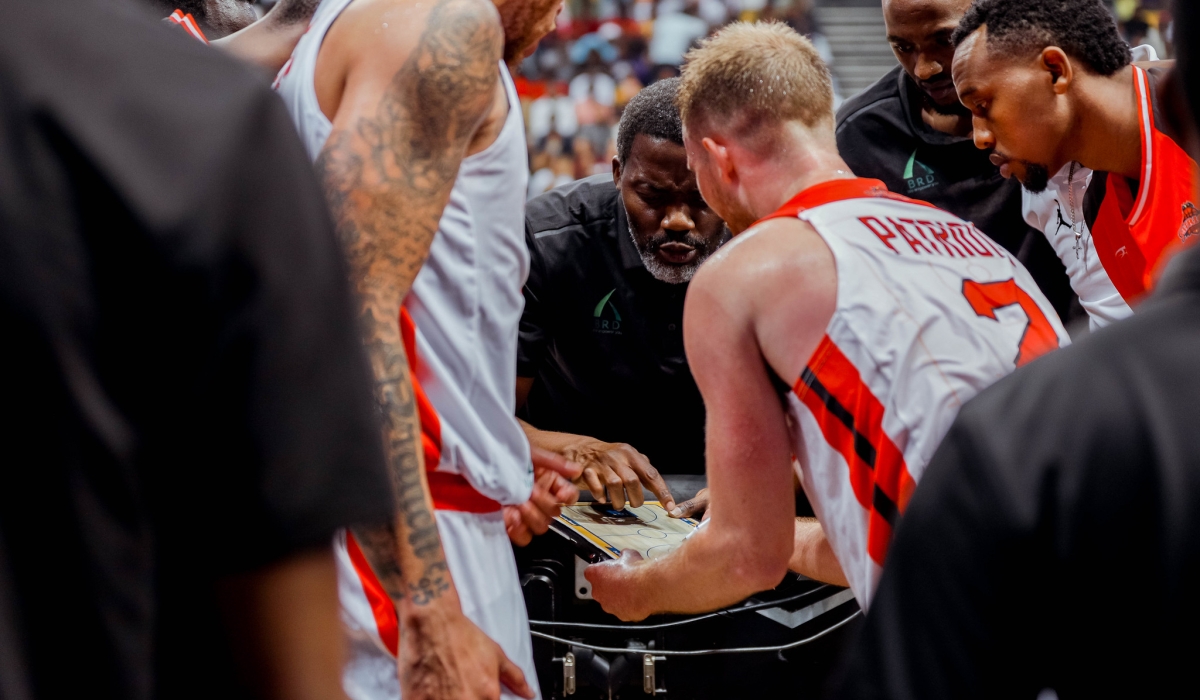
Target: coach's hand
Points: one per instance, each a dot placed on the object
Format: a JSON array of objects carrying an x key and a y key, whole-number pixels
[
  {"x": 444, "y": 656},
  {"x": 552, "y": 489},
  {"x": 616, "y": 473},
  {"x": 695, "y": 507}
]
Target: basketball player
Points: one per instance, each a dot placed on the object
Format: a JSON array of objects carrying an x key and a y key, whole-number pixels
[
  {"x": 1050, "y": 85},
  {"x": 844, "y": 324},
  {"x": 410, "y": 112}
]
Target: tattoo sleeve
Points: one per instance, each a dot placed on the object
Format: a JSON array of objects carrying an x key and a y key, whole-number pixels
[{"x": 388, "y": 176}]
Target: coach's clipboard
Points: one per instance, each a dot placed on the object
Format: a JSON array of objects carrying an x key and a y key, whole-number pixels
[{"x": 599, "y": 532}]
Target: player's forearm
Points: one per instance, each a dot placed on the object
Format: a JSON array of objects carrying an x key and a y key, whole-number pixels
[
  {"x": 410, "y": 562},
  {"x": 711, "y": 570},
  {"x": 813, "y": 556}
]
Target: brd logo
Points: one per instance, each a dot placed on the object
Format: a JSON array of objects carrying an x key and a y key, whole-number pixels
[{"x": 606, "y": 318}]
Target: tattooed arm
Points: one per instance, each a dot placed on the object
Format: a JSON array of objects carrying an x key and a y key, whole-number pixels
[{"x": 418, "y": 85}]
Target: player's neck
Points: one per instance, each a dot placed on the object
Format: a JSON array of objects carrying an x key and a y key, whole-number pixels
[
  {"x": 1108, "y": 133},
  {"x": 784, "y": 178}
]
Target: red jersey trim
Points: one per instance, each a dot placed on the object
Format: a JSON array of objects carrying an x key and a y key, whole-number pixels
[
  {"x": 835, "y": 191},
  {"x": 383, "y": 609},
  {"x": 1146, "y": 117},
  {"x": 449, "y": 491},
  {"x": 431, "y": 424},
  {"x": 189, "y": 24},
  {"x": 851, "y": 419}
]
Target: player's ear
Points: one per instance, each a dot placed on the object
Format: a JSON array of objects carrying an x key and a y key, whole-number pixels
[
  {"x": 719, "y": 152},
  {"x": 617, "y": 172},
  {"x": 1056, "y": 62}
]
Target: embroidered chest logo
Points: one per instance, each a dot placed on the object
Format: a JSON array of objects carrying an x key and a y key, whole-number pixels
[
  {"x": 1191, "y": 221},
  {"x": 606, "y": 319},
  {"x": 918, "y": 176}
]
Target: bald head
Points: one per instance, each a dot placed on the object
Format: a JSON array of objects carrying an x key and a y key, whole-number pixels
[{"x": 920, "y": 32}]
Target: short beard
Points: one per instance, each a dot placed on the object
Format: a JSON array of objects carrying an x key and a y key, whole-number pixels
[
  {"x": 673, "y": 274},
  {"x": 1037, "y": 177}
]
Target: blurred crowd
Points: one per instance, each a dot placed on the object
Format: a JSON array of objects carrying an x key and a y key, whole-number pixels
[
  {"x": 574, "y": 88},
  {"x": 1146, "y": 22}
]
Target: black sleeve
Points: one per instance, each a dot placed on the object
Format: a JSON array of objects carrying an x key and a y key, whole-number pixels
[
  {"x": 531, "y": 344},
  {"x": 952, "y": 617},
  {"x": 289, "y": 445}
]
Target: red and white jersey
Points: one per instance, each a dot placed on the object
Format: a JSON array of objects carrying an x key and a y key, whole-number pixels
[
  {"x": 188, "y": 23},
  {"x": 1067, "y": 231},
  {"x": 930, "y": 311},
  {"x": 1136, "y": 226}
]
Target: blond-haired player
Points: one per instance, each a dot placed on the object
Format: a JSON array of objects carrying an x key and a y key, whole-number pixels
[{"x": 844, "y": 324}]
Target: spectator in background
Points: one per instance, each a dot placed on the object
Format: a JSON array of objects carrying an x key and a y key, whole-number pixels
[
  {"x": 616, "y": 47},
  {"x": 594, "y": 93},
  {"x": 552, "y": 113},
  {"x": 675, "y": 31}
]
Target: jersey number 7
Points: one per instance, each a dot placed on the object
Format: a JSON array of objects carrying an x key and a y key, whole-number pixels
[{"x": 1039, "y": 337}]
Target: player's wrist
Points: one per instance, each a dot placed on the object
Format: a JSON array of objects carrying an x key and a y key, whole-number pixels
[{"x": 424, "y": 612}]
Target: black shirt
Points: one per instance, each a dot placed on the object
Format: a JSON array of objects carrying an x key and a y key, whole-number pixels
[
  {"x": 187, "y": 394},
  {"x": 1054, "y": 541},
  {"x": 880, "y": 134},
  {"x": 602, "y": 338}
]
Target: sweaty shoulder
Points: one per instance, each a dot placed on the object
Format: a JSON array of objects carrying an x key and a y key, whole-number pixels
[
  {"x": 781, "y": 276},
  {"x": 373, "y": 39}
]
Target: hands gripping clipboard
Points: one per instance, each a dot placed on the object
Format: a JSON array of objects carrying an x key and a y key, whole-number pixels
[{"x": 600, "y": 533}]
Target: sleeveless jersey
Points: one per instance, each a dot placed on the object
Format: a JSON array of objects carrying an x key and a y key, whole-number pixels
[
  {"x": 1135, "y": 233},
  {"x": 930, "y": 311},
  {"x": 461, "y": 317},
  {"x": 459, "y": 324}
]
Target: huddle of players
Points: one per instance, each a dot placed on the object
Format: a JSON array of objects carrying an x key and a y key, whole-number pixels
[{"x": 881, "y": 314}]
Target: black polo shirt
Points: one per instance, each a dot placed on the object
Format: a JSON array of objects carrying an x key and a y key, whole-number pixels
[
  {"x": 602, "y": 338},
  {"x": 880, "y": 134}
]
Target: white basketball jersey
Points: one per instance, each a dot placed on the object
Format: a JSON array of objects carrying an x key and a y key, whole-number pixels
[
  {"x": 1067, "y": 231},
  {"x": 465, "y": 303},
  {"x": 930, "y": 311}
]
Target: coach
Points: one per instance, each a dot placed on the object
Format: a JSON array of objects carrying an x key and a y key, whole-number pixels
[{"x": 602, "y": 375}]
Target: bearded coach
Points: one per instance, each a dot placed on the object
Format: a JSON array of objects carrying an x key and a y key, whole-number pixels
[{"x": 602, "y": 375}]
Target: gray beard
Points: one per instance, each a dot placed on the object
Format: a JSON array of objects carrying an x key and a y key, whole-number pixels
[{"x": 671, "y": 274}]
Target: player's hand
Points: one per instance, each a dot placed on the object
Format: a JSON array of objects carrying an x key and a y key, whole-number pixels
[
  {"x": 616, "y": 473},
  {"x": 444, "y": 656},
  {"x": 552, "y": 488},
  {"x": 614, "y": 587},
  {"x": 695, "y": 507}
]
